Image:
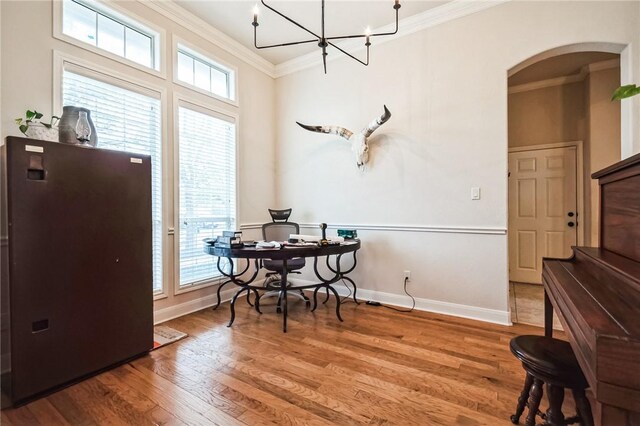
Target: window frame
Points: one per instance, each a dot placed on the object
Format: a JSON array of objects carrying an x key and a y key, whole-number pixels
[
  {"x": 122, "y": 16},
  {"x": 109, "y": 76},
  {"x": 190, "y": 102},
  {"x": 209, "y": 59}
]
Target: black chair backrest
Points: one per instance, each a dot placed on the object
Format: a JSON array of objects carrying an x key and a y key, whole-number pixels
[
  {"x": 279, "y": 231},
  {"x": 280, "y": 215}
]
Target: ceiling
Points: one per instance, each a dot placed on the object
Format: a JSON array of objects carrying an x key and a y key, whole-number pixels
[
  {"x": 558, "y": 66},
  {"x": 341, "y": 18}
]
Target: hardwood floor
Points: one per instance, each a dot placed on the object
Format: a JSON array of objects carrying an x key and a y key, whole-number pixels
[{"x": 378, "y": 367}]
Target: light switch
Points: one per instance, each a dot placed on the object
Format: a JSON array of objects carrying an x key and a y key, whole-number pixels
[{"x": 475, "y": 193}]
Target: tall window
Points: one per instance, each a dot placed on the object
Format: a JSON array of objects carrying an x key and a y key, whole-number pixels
[
  {"x": 207, "y": 168},
  {"x": 205, "y": 74},
  {"x": 105, "y": 29},
  {"x": 125, "y": 120}
]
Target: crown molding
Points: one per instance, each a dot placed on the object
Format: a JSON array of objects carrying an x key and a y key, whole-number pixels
[
  {"x": 551, "y": 82},
  {"x": 559, "y": 81},
  {"x": 429, "y": 18},
  {"x": 192, "y": 22},
  {"x": 602, "y": 65}
]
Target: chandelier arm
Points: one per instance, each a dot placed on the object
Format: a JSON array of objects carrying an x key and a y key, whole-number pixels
[
  {"x": 347, "y": 36},
  {"x": 289, "y": 19},
  {"x": 370, "y": 35},
  {"x": 283, "y": 44},
  {"x": 390, "y": 32},
  {"x": 351, "y": 56}
]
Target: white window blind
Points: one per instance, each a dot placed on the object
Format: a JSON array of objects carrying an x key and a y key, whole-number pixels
[
  {"x": 207, "y": 167},
  {"x": 125, "y": 120}
]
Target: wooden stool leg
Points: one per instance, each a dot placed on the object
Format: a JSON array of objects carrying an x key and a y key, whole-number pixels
[
  {"x": 534, "y": 402},
  {"x": 554, "y": 413},
  {"x": 522, "y": 400},
  {"x": 583, "y": 407}
]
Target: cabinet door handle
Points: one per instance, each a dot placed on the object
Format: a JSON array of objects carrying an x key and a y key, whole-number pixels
[{"x": 571, "y": 224}]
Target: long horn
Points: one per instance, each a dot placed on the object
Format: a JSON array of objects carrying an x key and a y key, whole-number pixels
[
  {"x": 335, "y": 130},
  {"x": 373, "y": 126}
]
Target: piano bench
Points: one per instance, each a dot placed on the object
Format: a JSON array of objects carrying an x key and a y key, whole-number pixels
[{"x": 552, "y": 362}]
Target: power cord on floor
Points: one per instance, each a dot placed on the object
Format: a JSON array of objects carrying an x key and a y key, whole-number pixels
[
  {"x": 348, "y": 295},
  {"x": 393, "y": 308}
]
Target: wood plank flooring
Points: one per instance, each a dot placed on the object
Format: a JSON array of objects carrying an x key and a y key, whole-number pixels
[{"x": 379, "y": 367}]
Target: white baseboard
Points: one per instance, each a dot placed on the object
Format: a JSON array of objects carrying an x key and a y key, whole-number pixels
[
  {"x": 175, "y": 311},
  {"x": 400, "y": 300},
  {"x": 428, "y": 305}
]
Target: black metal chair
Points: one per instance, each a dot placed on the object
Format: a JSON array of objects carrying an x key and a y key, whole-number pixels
[{"x": 279, "y": 230}]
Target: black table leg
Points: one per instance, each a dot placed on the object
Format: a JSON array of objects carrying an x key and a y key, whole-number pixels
[
  {"x": 335, "y": 293},
  {"x": 283, "y": 289},
  {"x": 232, "y": 305},
  {"x": 218, "y": 293},
  {"x": 548, "y": 315}
]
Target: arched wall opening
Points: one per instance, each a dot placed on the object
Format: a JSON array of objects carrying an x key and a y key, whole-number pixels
[{"x": 559, "y": 108}]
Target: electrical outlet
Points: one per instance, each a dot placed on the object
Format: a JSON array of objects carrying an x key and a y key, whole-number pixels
[{"x": 407, "y": 275}]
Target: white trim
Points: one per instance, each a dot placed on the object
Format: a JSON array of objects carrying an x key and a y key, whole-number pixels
[
  {"x": 397, "y": 228},
  {"x": 208, "y": 108},
  {"x": 198, "y": 26},
  {"x": 629, "y": 121},
  {"x": 170, "y": 312},
  {"x": 209, "y": 57},
  {"x": 559, "y": 81},
  {"x": 412, "y": 24},
  {"x": 569, "y": 48},
  {"x": 123, "y": 80},
  {"x": 428, "y": 305},
  {"x": 159, "y": 70}
]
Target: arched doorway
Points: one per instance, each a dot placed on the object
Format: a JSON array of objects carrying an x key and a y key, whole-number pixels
[{"x": 562, "y": 127}]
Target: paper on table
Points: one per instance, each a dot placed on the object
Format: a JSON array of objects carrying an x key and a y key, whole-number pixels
[{"x": 268, "y": 245}]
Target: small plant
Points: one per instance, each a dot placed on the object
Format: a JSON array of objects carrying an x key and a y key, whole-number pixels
[
  {"x": 33, "y": 118},
  {"x": 627, "y": 91}
]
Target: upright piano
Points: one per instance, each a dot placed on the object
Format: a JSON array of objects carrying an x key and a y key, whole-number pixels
[{"x": 596, "y": 294}]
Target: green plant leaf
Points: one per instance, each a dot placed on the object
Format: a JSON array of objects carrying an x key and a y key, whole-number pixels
[
  {"x": 30, "y": 114},
  {"x": 624, "y": 92},
  {"x": 38, "y": 115},
  {"x": 47, "y": 125},
  {"x": 18, "y": 121},
  {"x": 23, "y": 129}
]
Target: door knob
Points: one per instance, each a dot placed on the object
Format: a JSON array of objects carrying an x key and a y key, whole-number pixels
[
  {"x": 571, "y": 224},
  {"x": 570, "y": 214}
]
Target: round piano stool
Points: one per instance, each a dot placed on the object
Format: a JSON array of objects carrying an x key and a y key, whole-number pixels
[{"x": 550, "y": 362}]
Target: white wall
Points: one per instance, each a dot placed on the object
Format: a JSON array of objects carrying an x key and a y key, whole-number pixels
[
  {"x": 446, "y": 87},
  {"x": 27, "y": 83}
]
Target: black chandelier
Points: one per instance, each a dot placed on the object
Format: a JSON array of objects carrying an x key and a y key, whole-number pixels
[{"x": 322, "y": 40}]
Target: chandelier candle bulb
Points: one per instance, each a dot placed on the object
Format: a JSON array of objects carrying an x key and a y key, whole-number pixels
[{"x": 255, "y": 15}]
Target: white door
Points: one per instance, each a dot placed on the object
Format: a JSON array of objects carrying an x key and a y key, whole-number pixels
[{"x": 542, "y": 210}]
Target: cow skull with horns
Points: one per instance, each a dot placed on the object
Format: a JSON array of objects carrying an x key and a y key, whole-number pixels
[{"x": 359, "y": 144}]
